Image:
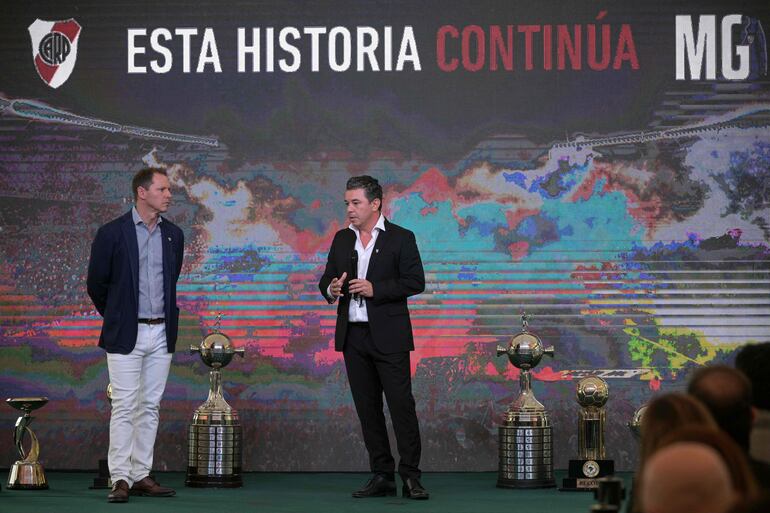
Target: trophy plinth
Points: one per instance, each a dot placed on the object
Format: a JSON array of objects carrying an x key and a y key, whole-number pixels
[
  {"x": 103, "y": 480},
  {"x": 26, "y": 473},
  {"x": 215, "y": 434},
  {"x": 592, "y": 394},
  {"x": 526, "y": 437}
]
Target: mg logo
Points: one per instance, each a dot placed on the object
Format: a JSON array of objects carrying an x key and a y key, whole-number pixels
[{"x": 739, "y": 42}]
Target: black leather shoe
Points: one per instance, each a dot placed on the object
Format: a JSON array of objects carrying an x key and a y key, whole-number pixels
[
  {"x": 414, "y": 490},
  {"x": 378, "y": 486}
]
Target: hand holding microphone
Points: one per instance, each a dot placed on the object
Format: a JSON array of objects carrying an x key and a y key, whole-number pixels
[
  {"x": 354, "y": 276},
  {"x": 359, "y": 288}
]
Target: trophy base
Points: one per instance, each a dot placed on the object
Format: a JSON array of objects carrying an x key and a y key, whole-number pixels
[
  {"x": 103, "y": 480},
  {"x": 234, "y": 480},
  {"x": 214, "y": 455},
  {"x": 583, "y": 475},
  {"x": 526, "y": 457},
  {"x": 526, "y": 483},
  {"x": 27, "y": 476}
]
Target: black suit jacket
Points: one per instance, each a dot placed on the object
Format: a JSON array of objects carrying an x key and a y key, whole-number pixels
[
  {"x": 113, "y": 281},
  {"x": 396, "y": 272}
]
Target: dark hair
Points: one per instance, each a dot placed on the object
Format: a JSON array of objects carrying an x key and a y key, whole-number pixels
[
  {"x": 726, "y": 392},
  {"x": 759, "y": 504},
  {"x": 754, "y": 361},
  {"x": 144, "y": 177},
  {"x": 371, "y": 187}
]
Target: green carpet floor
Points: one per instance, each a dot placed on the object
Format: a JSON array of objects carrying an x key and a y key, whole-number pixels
[{"x": 298, "y": 492}]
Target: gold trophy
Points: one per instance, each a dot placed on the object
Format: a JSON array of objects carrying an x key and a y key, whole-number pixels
[
  {"x": 592, "y": 394},
  {"x": 27, "y": 473}
]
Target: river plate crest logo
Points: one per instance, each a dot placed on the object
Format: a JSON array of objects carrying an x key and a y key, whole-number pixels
[{"x": 54, "y": 49}]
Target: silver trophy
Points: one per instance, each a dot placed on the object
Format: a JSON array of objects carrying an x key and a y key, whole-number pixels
[
  {"x": 635, "y": 425},
  {"x": 526, "y": 437},
  {"x": 215, "y": 435},
  {"x": 636, "y": 422},
  {"x": 591, "y": 394},
  {"x": 27, "y": 473}
]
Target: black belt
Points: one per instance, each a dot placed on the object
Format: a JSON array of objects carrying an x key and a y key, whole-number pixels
[{"x": 159, "y": 320}]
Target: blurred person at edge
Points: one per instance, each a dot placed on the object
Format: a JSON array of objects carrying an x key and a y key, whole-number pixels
[
  {"x": 727, "y": 393},
  {"x": 754, "y": 361},
  {"x": 686, "y": 477},
  {"x": 663, "y": 415},
  {"x": 741, "y": 477}
]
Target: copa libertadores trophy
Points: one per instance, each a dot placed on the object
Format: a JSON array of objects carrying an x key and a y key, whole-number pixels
[
  {"x": 27, "y": 473},
  {"x": 526, "y": 437},
  {"x": 215, "y": 435},
  {"x": 592, "y": 394}
]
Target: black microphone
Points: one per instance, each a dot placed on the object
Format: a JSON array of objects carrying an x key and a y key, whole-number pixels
[{"x": 354, "y": 274}]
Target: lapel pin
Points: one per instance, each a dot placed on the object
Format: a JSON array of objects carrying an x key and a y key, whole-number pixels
[
  {"x": 169, "y": 239},
  {"x": 377, "y": 250}
]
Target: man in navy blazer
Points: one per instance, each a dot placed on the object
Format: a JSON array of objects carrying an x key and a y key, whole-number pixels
[
  {"x": 132, "y": 273},
  {"x": 373, "y": 267}
]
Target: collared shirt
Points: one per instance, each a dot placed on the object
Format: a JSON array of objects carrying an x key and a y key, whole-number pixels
[
  {"x": 356, "y": 312},
  {"x": 150, "y": 243}
]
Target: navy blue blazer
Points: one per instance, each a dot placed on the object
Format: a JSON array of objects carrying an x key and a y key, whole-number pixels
[
  {"x": 396, "y": 272},
  {"x": 113, "y": 281}
]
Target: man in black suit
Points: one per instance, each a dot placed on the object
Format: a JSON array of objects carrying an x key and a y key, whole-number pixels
[
  {"x": 374, "y": 332},
  {"x": 132, "y": 273}
]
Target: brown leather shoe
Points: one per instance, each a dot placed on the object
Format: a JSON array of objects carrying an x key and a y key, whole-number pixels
[
  {"x": 119, "y": 492},
  {"x": 147, "y": 487}
]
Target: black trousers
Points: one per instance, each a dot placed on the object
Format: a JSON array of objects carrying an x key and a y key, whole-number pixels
[{"x": 371, "y": 373}]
